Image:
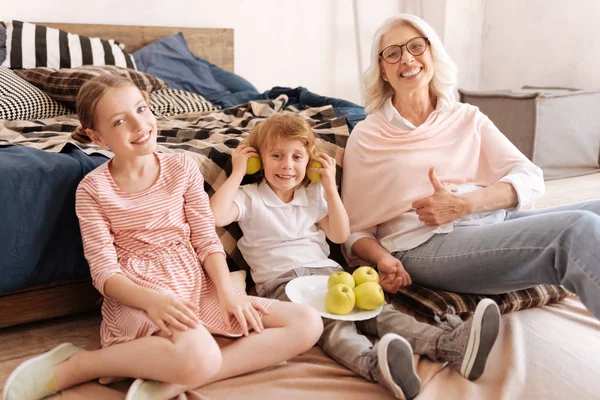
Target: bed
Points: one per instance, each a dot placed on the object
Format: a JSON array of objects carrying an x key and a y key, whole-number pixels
[{"x": 546, "y": 352}]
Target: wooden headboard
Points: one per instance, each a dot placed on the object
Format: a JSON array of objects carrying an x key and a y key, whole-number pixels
[{"x": 212, "y": 44}]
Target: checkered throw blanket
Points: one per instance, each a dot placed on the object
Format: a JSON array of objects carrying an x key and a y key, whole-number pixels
[{"x": 208, "y": 137}]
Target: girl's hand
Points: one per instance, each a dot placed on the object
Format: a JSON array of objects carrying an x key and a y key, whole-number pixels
[
  {"x": 327, "y": 171},
  {"x": 245, "y": 311},
  {"x": 442, "y": 206},
  {"x": 392, "y": 275},
  {"x": 240, "y": 156},
  {"x": 168, "y": 309}
]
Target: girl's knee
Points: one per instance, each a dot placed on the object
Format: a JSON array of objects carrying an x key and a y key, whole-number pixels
[
  {"x": 308, "y": 324},
  {"x": 198, "y": 359}
]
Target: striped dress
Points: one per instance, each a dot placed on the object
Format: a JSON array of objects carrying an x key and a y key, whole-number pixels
[{"x": 158, "y": 238}]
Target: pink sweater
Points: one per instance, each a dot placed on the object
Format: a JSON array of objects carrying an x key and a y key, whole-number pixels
[{"x": 386, "y": 169}]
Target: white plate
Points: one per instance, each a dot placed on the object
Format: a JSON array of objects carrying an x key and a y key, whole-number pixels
[{"x": 311, "y": 290}]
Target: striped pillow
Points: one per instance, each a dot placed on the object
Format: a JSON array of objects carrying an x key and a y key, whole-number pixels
[
  {"x": 30, "y": 46},
  {"x": 19, "y": 100},
  {"x": 64, "y": 84},
  {"x": 169, "y": 102}
]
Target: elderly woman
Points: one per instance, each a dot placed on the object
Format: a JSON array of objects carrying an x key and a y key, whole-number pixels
[{"x": 437, "y": 195}]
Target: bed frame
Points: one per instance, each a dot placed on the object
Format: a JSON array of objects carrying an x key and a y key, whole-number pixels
[{"x": 69, "y": 297}]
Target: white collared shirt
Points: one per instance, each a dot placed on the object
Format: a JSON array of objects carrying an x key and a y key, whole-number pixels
[
  {"x": 407, "y": 232},
  {"x": 278, "y": 236}
]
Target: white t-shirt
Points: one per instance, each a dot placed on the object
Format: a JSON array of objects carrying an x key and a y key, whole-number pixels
[{"x": 278, "y": 236}]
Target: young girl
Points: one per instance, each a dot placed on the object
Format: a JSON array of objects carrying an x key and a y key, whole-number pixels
[
  {"x": 285, "y": 220},
  {"x": 149, "y": 237}
]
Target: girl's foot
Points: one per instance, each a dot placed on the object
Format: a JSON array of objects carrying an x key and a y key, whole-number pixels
[
  {"x": 141, "y": 389},
  {"x": 34, "y": 379}
]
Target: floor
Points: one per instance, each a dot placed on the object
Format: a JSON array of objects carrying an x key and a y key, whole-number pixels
[{"x": 24, "y": 341}]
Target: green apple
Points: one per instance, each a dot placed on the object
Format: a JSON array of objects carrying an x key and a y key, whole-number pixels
[
  {"x": 340, "y": 277},
  {"x": 339, "y": 299},
  {"x": 365, "y": 274},
  {"x": 314, "y": 176},
  {"x": 369, "y": 295},
  {"x": 253, "y": 166}
]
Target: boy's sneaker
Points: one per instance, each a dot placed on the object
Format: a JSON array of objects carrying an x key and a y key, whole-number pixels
[
  {"x": 142, "y": 389},
  {"x": 467, "y": 347},
  {"x": 395, "y": 368},
  {"x": 34, "y": 379}
]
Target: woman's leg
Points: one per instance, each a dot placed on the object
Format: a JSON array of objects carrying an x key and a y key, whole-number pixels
[{"x": 560, "y": 247}]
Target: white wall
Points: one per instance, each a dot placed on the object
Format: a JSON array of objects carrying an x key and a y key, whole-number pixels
[
  {"x": 540, "y": 43},
  {"x": 311, "y": 43},
  {"x": 306, "y": 43}
]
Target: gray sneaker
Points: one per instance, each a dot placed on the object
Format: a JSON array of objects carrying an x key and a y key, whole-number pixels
[
  {"x": 395, "y": 369},
  {"x": 467, "y": 347}
]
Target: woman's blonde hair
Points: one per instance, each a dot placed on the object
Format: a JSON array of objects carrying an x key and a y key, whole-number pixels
[
  {"x": 445, "y": 74},
  {"x": 88, "y": 97},
  {"x": 284, "y": 126}
]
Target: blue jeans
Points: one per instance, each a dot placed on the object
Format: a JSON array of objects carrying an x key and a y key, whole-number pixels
[{"x": 558, "y": 246}]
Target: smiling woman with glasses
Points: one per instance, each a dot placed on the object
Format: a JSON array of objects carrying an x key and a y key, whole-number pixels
[{"x": 448, "y": 194}]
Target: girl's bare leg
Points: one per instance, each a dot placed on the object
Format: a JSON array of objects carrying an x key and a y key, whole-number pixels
[
  {"x": 182, "y": 358},
  {"x": 290, "y": 329}
]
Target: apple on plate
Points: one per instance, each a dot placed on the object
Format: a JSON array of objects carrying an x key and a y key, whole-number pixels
[
  {"x": 314, "y": 176},
  {"x": 369, "y": 295},
  {"x": 365, "y": 274},
  {"x": 340, "y": 299},
  {"x": 253, "y": 166},
  {"x": 340, "y": 277}
]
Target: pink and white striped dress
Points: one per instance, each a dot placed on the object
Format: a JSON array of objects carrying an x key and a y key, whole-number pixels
[{"x": 158, "y": 238}]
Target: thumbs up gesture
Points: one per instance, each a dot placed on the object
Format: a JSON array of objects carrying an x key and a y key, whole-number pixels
[{"x": 442, "y": 206}]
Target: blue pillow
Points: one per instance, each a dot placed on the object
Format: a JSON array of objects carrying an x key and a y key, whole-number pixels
[
  {"x": 2, "y": 43},
  {"x": 233, "y": 82},
  {"x": 171, "y": 60}
]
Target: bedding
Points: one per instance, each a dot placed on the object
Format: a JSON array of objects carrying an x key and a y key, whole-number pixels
[
  {"x": 30, "y": 45},
  {"x": 171, "y": 60}
]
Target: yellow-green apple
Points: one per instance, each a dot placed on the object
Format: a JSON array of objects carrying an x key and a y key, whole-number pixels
[
  {"x": 365, "y": 274},
  {"x": 339, "y": 299},
  {"x": 340, "y": 277},
  {"x": 369, "y": 295},
  {"x": 314, "y": 176},
  {"x": 253, "y": 166}
]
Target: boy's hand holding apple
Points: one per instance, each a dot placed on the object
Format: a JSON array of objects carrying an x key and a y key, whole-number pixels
[
  {"x": 245, "y": 160},
  {"x": 322, "y": 169}
]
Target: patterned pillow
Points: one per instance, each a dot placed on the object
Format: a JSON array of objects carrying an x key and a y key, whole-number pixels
[
  {"x": 435, "y": 303},
  {"x": 64, "y": 84},
  {"x": 20, "y": 100},
  {"x": 31, "y": 46},
  {"x": 169, "y": 102}
]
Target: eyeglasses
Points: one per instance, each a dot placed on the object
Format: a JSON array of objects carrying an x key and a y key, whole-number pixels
[{"x": 415, "y": 46}]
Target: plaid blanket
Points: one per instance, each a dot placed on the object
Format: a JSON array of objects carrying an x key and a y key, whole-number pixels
[
  {"x": 208, "y": 137},
  {"x": 436, "y": 303}
]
